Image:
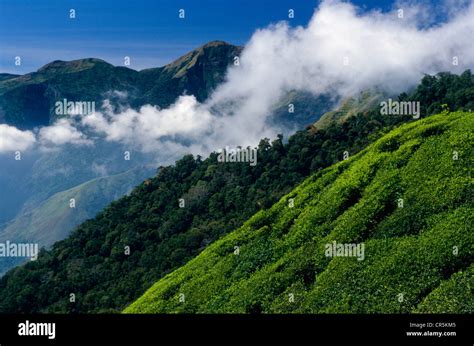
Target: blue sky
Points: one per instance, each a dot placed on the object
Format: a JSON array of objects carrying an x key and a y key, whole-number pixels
[{"x": 148, "y": 31}]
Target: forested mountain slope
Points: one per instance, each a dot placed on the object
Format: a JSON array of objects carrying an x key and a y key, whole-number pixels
[
  {"x": 407, "y": 199},
  {"x": 91, "y": 262}
]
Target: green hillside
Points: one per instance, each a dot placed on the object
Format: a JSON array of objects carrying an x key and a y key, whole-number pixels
[
  {"x": 162, "y": 237},
  {"x": 457, "y": 92},
  {"x": 418, "y": 255},
  {"x": 29, "y": 100}
]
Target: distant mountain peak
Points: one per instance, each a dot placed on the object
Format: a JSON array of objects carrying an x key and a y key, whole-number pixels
[
  {"x": 215, "y": 43},
  {"x": 60, "y": 66},
  {"x": 180, "y": 66}
]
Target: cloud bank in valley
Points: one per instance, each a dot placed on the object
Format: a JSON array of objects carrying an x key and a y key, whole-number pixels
[{"x": 341, "y": 51}]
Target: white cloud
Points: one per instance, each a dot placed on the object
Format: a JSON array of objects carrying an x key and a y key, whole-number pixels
[
  {"x": 381, "y": 50},
  {"x": 186, "y": 121},
  {"x": 62, "y": 132},
  {"x": 185, "y": 118},
  {"x": 13, "y": 139}
]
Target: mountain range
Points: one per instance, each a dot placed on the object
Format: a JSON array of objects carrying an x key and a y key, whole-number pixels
[
  {"x": 34, "y": 189},
  {"x": 27, "y": 101}
]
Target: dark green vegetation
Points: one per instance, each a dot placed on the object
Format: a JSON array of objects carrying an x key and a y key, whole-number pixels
[
  {"x": 435, "y": 93},
  {"x": 416, "y": 255},
  {"x": 219, "y": 198},
  {"x": 432, "y": 93}
]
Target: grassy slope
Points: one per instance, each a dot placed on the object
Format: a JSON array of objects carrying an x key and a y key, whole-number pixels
[
  {"x": 53, "y": 219},
  {"x": 408, "y": 251},
  {"x": 361, "y": 103}
]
